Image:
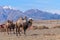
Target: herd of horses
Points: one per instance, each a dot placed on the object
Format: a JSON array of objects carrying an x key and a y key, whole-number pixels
[{"x": 21, "y": 25}]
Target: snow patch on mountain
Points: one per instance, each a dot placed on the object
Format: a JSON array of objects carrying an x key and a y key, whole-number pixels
[{"x": 9, "y": 7}]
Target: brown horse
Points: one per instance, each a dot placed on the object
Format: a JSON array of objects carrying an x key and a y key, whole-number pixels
[{"x": 10, "y": 26}]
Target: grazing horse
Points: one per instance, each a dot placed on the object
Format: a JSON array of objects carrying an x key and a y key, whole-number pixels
[{"x": 10, "y": 26}]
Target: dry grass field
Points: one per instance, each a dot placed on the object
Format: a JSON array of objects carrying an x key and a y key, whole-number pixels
[
  {"x": 47, "y": 23},
  {"x": 49, "y": 31},
  {"x": 45, "y": 34}
]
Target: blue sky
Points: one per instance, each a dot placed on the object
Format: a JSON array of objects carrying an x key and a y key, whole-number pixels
[{"x": 45, "y": 5}]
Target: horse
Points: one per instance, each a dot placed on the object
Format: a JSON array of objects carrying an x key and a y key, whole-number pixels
[{"x": 10, "y": 26}]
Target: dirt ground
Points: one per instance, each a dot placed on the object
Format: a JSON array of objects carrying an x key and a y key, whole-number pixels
[{"x": 43, "y": 34}]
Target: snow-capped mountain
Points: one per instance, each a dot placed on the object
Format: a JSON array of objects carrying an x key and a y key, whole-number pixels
[
  {"x": 9, "y": 13},
  {"x": 38, "y": 14}
]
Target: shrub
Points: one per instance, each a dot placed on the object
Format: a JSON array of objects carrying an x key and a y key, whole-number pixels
[
  {"x": 56, "y": 27},
  {"x": 40, "y": 27},
  {"x": 43, "y": 27},
  {"x": 35, "y": 27}
]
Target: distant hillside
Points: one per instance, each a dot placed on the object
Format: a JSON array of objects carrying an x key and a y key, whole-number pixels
[
  {"x": 12, "y": 14},
  {"x": 38, "y": 14}
]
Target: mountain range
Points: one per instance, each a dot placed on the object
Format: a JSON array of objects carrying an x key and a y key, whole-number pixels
[{"x": 7, "y": 13}]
